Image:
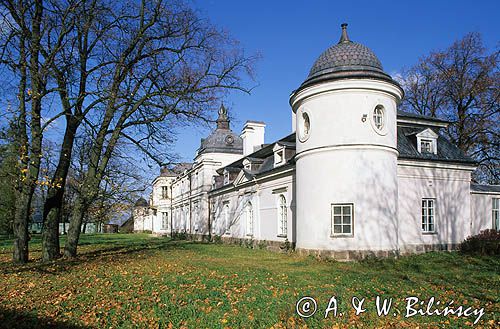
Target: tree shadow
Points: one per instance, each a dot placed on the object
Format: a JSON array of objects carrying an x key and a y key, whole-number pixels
[
  {"x": 105, "y": 253},
  {"x": 26, "y": 320}
]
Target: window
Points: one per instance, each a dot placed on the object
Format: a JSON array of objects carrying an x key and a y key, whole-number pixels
[
  {"x": 428, "y": 215},
  {"x": 164, "y": 220},
  {"x": 427, "y": 141},
  {"x": 495, "y": 213},
  {"x": 226, "y": 177},
  {"x": 249, "y": 218},
  {"x": 164, "y": 192},
  {"x": 378, "y": 117},
  {"x": 342, "y": 219},
  {"x": 154, "y": 212},
  {"x": 282, "y": 216},
  {"x": 426, "y": 146},
  {"x": 279, "y": 156},
  {"x": 304, "y": 126},
  {"x": 226, "y": 217}
]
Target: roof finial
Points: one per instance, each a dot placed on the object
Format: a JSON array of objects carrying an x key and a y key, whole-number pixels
[
  {"x": 344, "y": 37},
  {"x": 222, "y": 120},
  {"x": 222, "y": 110}
]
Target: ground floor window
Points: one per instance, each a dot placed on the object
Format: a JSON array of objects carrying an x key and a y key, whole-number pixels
[
  {"x": 282, "y": 216},
  {"x": 428, "y": 215},
  {"x": 249, "y": 218},
  {"x": 342, "y": 219},
  {"x": 164, "y": 220},
  {"x": 226, "y": 218},
  {"x": 495, "y": 213}
]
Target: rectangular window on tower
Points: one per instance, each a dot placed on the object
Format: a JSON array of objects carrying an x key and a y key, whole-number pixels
[
  {"x": 164, "y": 192},
  {"x": 342, "y": 219}
]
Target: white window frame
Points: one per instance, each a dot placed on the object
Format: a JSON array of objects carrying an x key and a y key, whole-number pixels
[
  {"x": 495, "y": 213},
  {"x": 225, "y": 214},
  {"x": 282, "y": 216},
  {"x": 378, "y": 117},
  {"x": 428, "y": 215},
  {"x": 426, "y": 146},
  {"x": 164, "y": 192},
  {"x": 164, "y": 220},
  {"x": 249, "y": 218},
  {"x": 427, "y": 136},
  {"x": 342, "y": 224}
]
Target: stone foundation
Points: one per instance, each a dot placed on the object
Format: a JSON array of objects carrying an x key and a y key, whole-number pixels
[{"x": 340, "y": 255}]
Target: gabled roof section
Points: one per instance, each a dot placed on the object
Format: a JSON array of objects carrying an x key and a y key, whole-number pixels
[
  {"x": 427, "y": 133},
  {"x": 420, "y": 120},
  {"x": 446, "y": 151},
  {"x": 485, "y": 189},
  {"x": 243, "y": 176},
  {"x": 175, "y": 170},
  {"x": 264, "y": 156}
]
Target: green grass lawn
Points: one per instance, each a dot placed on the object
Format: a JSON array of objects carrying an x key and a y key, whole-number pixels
[{"x": 130, "y": 281}]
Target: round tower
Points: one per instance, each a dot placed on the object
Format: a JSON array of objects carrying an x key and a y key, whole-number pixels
[{"x": 346, "y": 161}]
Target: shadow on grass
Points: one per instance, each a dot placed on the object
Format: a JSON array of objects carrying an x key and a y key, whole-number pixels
[
  {"x": 106, "y": 252},
  {"x": 24, "y": 320}
]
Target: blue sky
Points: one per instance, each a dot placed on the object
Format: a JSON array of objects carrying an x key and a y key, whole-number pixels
[{"x": 290, "y": 35}]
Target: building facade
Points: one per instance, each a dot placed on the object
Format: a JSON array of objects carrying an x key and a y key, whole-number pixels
[{"x": 355, "y": 177}]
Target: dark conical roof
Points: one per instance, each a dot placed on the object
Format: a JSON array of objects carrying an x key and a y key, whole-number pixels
[{"x": 346, "y": 59}]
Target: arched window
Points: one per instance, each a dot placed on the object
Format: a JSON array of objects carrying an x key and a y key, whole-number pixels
[
  {"x": 282, "y": 216},
  {"x": 226, "y": 218},
  {"x": 249, "y": 218}
]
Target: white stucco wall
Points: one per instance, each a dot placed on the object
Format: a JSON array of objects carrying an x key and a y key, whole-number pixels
[
  {"x": 263, "y": 195},
  {"x": 345, "y": 160},
  {"x": 449, "y": 186},
  {"x": 481, "y": 211}
]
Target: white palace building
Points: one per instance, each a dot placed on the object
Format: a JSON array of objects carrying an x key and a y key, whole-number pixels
[{"x": 356, "y": 176}]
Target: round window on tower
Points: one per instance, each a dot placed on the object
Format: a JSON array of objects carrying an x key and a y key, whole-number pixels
[
  {"x": 304, "y": 125},
  {"x": 379, "y": 119}
]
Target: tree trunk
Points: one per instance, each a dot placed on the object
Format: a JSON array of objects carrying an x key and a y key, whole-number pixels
[
  {"x": 55, "y": 196},
  {"x": 20, "y": 250},
  {"x": 75, "y": 225}
]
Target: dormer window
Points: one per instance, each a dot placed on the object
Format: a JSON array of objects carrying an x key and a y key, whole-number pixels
[
  {"x": 282, "y": 152},
  {"x": 226, "y": 177},
  {"x": 427, "y": 141},
  {"x": 426, "y": 146},
  {"x": 279, "y": 157}
]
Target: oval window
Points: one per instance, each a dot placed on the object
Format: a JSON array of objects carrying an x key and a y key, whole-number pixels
[
  {"x": 304, "y": 126},
  {"x": 379, "y": 117}
]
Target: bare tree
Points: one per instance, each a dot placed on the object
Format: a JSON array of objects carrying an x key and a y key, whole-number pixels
[
  {"x": 461, "y": 84},
  {"x": 23, "y": 31},
  {"x": 128, "y": 71},
  {"x": 161, "y": 61}
]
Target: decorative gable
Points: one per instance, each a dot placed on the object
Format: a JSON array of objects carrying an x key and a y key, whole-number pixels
[{"x": 427, "y": 141}]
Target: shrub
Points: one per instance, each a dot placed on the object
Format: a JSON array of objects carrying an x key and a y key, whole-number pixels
[
  {"x": 286, "y": 246},
  {"x": 217, "y": 239},
  {"x": 179, "y": 236},
  {"x": 487, "y": 242}
]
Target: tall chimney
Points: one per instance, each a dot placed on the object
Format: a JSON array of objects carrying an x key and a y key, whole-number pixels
[{"x": 253, "y": 136}]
